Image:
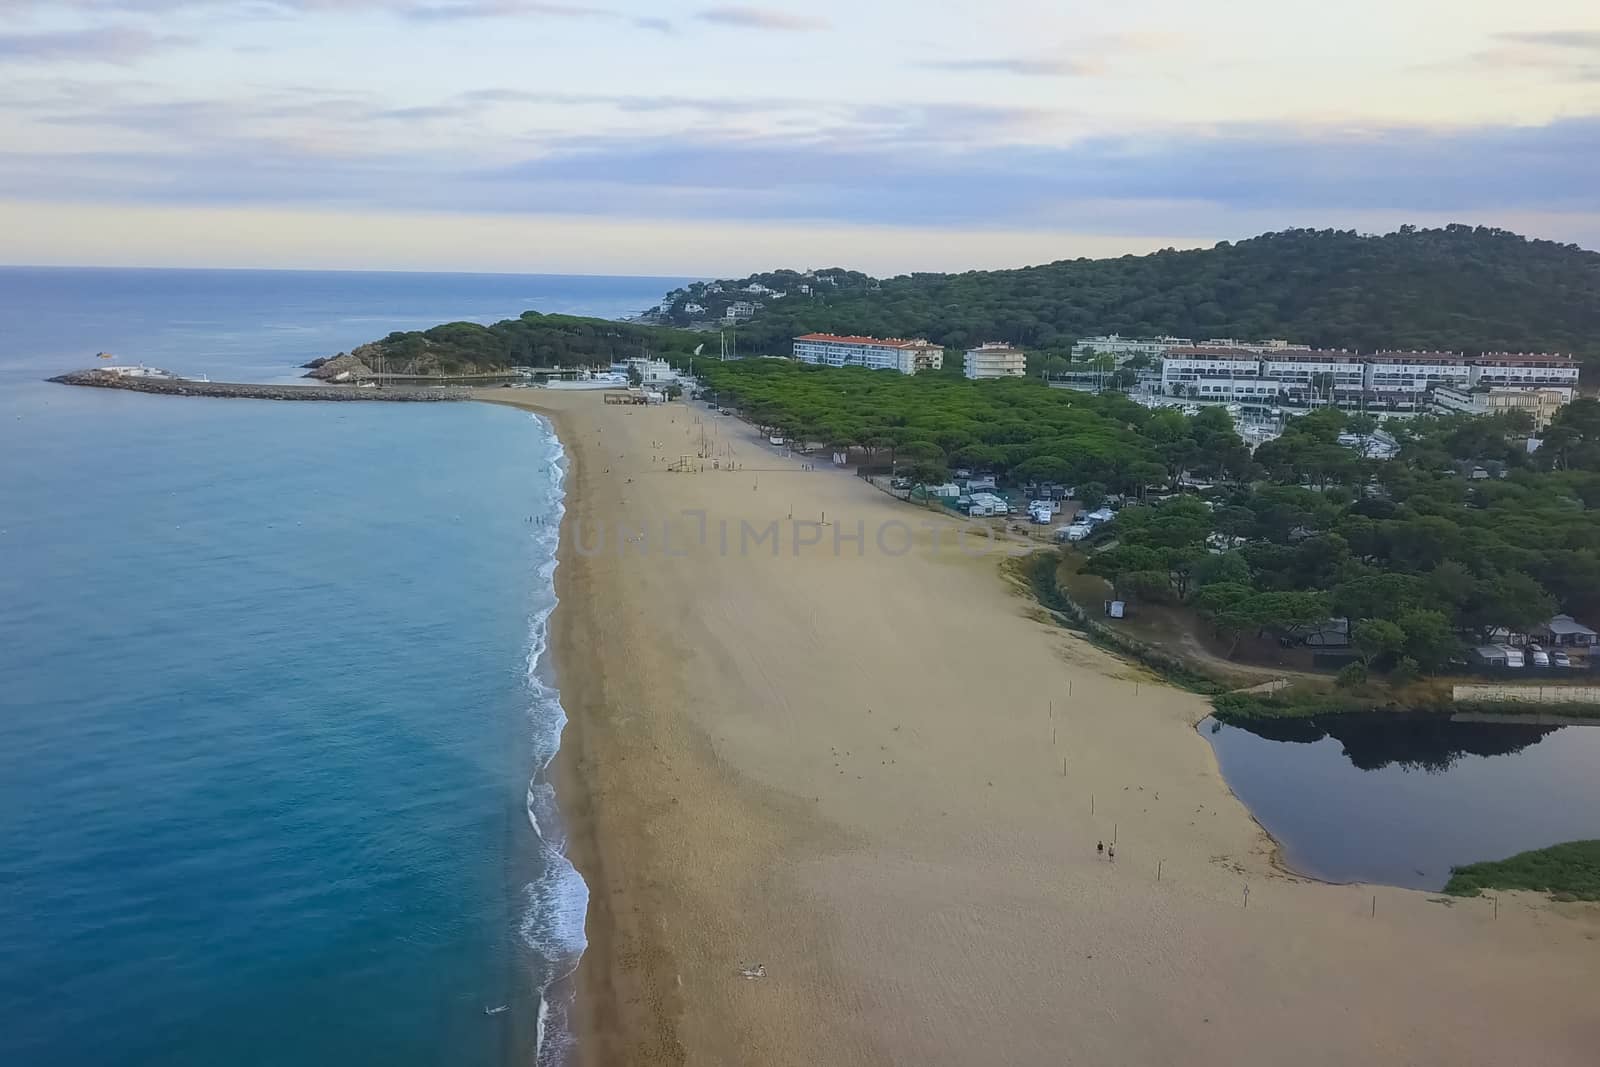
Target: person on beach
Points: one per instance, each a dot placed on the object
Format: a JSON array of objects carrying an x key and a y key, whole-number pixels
[
  {"x": 1111, "y": 853},
  {"x": 1099, "y": 849}
]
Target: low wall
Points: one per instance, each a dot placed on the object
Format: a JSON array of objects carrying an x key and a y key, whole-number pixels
[{"x": 1527, "y": 694}]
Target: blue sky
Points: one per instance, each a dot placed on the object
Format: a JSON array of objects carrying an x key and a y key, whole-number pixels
[{"x": 696, "y": 137}]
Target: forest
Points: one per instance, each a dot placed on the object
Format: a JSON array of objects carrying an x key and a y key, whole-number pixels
[
  {"x": 532, "y": 339},
  {"x": 1464, "y": 532},
  {"x": 1459, "y": 288}
]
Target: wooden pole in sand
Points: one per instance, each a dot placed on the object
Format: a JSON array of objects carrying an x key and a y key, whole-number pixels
[
  {"x": 1247, "y": 896},
  {"x": 1063, "y": 766},
  {"x": 1158, "y": 870},
  {"x": 1091, "y": 803},
  {"x": 1374, "y": 905}
]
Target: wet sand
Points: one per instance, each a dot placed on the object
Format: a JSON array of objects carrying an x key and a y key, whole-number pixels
[{"x": 846, "y": 765}]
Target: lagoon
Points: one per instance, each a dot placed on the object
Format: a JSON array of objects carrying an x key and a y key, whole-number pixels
[{"x": 1400, "y": 799}]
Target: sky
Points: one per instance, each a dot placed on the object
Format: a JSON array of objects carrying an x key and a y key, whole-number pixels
[{"x": 688, "y": 137}]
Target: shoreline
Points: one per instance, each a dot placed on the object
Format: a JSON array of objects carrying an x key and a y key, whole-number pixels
[{"x": 838, "y": 770}]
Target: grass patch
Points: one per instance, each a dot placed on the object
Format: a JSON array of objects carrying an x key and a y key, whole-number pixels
[
  {"x": 1569, "y": 871},
  {"x": 1291, "y": 703}
]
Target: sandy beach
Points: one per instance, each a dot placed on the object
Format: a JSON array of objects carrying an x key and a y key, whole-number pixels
[{"x": 875, "y": 770}]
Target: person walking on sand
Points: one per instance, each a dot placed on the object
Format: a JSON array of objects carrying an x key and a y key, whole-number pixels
[
  {"x": 1111, "y": 853},
  {"x": 1099, "y": 849}
]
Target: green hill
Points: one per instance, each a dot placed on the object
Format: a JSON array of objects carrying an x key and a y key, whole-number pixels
[
  {"x": 531, "y": 339},
  {"x": 1459, "y": 288}
]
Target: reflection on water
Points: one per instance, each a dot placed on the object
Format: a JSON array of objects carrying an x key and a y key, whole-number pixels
[
  {"x": 1432, "y": 743},
  {"x": 1399, "y": 799}
]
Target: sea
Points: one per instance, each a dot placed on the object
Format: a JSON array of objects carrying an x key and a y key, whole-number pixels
[{"x": 274, "y": 710}]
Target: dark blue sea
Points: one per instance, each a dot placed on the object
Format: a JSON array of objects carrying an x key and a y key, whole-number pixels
[{"x": 273, "y": 713}]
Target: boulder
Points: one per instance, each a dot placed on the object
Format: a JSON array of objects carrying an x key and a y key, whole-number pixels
[{"x": 342, "y": 367}]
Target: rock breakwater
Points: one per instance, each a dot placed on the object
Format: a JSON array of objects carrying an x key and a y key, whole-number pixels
[{"x": 182, "y": 387}]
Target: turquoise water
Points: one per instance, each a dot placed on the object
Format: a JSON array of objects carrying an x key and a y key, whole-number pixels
[{"x": 272, "y": 694}]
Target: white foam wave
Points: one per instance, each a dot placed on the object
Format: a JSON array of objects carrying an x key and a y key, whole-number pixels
[{"x": 557, "y": 901}]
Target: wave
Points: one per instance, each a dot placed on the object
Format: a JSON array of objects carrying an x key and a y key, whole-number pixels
[{"x": 557, "y": 900}]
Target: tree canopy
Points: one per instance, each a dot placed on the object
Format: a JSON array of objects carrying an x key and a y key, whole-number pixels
[
  {"x": 1422, "y": 553},
  {"x": 1465, "y": 288}
]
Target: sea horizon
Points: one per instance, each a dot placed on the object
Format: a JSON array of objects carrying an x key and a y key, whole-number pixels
[{"x": 673, "y": 279}]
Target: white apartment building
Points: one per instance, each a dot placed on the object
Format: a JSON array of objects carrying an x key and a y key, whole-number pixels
[
  {"x": 1315, "y": 375},
  {"x": 1400, "y": 379},
  {"x": 1525, "y": 370},
  {"x": 874, "y": 353},
  {"x": 995, "y": 359},
  {"x": 738, "y": 311},
  {"x": 1225, "y": 374},
  {"x": 1542, "y": 404},
  {"x": 1274, "y": 344},
  {"x": 1121, "y": 349}
]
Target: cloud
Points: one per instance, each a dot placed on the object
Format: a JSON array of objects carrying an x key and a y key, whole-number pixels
[
  {"x": 484, "y": 9},
  {"x": 761, "y": 18},
  {"x": 1585, "y": 39},
  {"x": 1561, "y": 55},
  {"x": 416, "y": 10},
  {"x": 771, "y": 159},
  {"x": 119, "y": 44},
  {"x": 1037, "y": 68}
]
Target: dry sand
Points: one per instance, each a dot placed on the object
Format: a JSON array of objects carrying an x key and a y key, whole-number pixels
[{"x": 848, "y": 768}]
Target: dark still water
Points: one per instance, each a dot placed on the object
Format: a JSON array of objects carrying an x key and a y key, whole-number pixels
[{"x": 1398, "y": 800}]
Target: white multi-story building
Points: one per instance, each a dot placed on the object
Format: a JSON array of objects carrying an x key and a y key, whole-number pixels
[
  {"x": 1273, "y": 344},
  {"x": 995, "y": 359},
  {"x": 1121, "y": 349},
  {"x": 1401, "y": 380},
  {"x": 1541, "y": 404},
  {"x": 1226, "y": 374},
  {"x": 1525, "y": 370},
  {"x": 652, "y": 372},
  {"x": 738, "y": 311},
  {"x": 874, "y": 353},
  {"x": 1315, "y": 375},
  {"x": 694, "y": 309}
]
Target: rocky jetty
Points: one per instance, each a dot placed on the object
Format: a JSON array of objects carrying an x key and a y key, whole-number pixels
[{"x": 180, "y": 387}]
